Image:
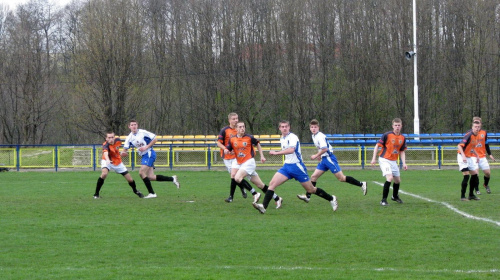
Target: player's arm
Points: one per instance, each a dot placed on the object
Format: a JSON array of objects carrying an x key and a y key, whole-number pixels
[
  {"x": 228, "y": 148},
  {"x": 488, "y": 151},
  {"x": 402, "y": 156},
  {"x": 105, "y": 154},
  {"x": 262, "y": 158},
  {"x": 374, "y": 157},
  {"x": 286, "y": 151},
  {"x": 460, "y": 148},
  {"x": 319, "y": 153}
]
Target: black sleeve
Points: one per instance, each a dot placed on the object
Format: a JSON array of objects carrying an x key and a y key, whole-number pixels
[{"x": 488, "y": 151}]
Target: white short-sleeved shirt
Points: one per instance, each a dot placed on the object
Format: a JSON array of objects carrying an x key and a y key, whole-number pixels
[
  {"x": 140, "y": 139},
  {"x": 321, "y": 142},
  {"x": 288, "y": 141}
]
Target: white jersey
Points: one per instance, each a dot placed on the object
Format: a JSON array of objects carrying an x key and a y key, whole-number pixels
[
  {"x": 321, "y": 142},
  {"x": 291, "y": 140},
  {"x": 140, "y": 139}
]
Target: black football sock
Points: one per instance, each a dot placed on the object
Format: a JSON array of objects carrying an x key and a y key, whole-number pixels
[
  {"x": 161, "y": 178},
  {"x": 465, "y": 181},
  {"x": 474, "y": 183},
  {"x": 267, "y": 198},
  {"x": 308, "y": 194},
  {"x": 486, "y": 180},
  {"x": 245, "y": 185},
  {"x": 385, "y": 192},
  {"x": 321, "y": 193},
  {"x": 395, "y": 190},
  {"x": 100, "y": 182},
  {"x": 265, "y": 188},
  {"x": 233, "y": 188},
  {"x": 147, "y": 182},
  {"x": 353, "y": 181},
  {"x": 133, "y": 186}
]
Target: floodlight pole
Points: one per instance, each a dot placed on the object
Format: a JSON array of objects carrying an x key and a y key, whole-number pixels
[{"x": 416, "y": 120}]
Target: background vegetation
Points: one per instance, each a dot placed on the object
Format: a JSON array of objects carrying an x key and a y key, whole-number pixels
[{"x": 67, "y": 74}]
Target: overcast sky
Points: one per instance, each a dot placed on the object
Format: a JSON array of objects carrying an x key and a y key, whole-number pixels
[{"x": 13, "y": 3}]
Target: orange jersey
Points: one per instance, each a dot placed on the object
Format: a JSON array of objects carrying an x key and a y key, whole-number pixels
[
  {"x": 225, "y": 134},
  {"x": 482, "y": 141},
  {"x": 113, "y": 151},
  {"x": 470, "y": 142},
  {"x": 243, "y": 147},
  {"x": 391, "y": 145}
]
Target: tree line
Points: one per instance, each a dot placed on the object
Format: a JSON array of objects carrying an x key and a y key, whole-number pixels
[{"x": 69, "y": 74}]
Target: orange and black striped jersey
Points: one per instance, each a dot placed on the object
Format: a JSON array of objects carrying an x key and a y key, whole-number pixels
[
  {"x": 482, "y": 141},
  {"x": 391, "y": 145},
  {"x": 470, "y": 142},
  {"x": 113, "y": 151},
  {"x": 243, "y": 147},
  {"x": 224, "y": 135}
]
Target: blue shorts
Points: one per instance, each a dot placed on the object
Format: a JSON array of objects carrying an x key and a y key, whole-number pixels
[
  {"x": 329, "y": 163},
  {"x": 296, "y": 171},
  {"x": 149, "y": 158}
]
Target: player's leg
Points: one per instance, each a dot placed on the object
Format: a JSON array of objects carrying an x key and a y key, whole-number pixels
[
  {"x": 463, "y": 167},
  {"x": 395, "y": 188},
  {"x": 146, "y": 171},
  {"x": 351, "y": 180},
  {"x": 314, "y": 178},
  {"x": 385, "y": 166},
  {"x": 308, "y": 186},
  {"x": 474, "y": 177},
  {"x": 278, "y": 179},
  {"x": 131, "y": 183},
  {"x": 100, "y": 180},
  {"x": 257, "y": 181},
  {"x": 485, "y": 166},
  {"x": 487, "y": 175}
]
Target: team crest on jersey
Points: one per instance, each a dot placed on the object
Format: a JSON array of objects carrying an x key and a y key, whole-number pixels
[
  {"x": 482, "y": 135},
  {"x": 400, "y": 141},
  {"x": 244, "y": 144},
  {"x": 393, "y": 141}
]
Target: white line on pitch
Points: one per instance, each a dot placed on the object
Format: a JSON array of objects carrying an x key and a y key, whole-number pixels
[{"x": 449, "y": 206}]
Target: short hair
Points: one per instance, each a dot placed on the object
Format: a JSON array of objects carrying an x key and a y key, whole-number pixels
[
  {"x": 476, "y": 122},
  {"x": 240, "y": 122},
  {"x": 474, "y": 119},
  {"x": 132, "y": 120},
  {"x": 232, "y": 114},
  {"x": 110, "y": 132},
  {"x": 284, "y": 121},
  {"x": 314, "y": 122},
  {"x": 397, "y": 120}
]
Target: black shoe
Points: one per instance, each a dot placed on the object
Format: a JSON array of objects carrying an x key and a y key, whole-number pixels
[
  {"x": 244, "y": 193},
  {"x": 229, "y": 199},
  {"x": 488, "y": 189},
  {"x": 397, "y": 199},
  {"x": 139, "y": 194},
  {"x": 473, "y": 197}
]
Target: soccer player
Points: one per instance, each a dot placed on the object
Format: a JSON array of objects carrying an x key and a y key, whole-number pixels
[
  {"x": 111, "y": 160},
  {"x": 483, "y": 149},
  {"x": 244, "y": 165},
  {"x": 222, "y": 141},
  {"x": 468, "y": 161},
  {"x": 328, "y": 161},
  {"x": 294, "y": 168},
  {"x": 393, "y": 145},
  {"x": 143, "y": 141}
]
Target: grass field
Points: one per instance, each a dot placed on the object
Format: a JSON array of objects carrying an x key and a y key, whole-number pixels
[{"x": 52, "y": 228}]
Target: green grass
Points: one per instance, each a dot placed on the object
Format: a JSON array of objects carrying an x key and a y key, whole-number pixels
[{"x": 51, "y": 228}]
